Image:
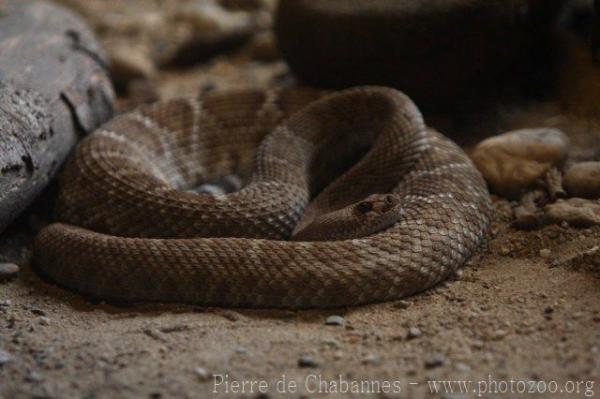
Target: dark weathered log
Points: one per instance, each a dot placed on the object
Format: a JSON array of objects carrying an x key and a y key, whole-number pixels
[
  {"x": 442, "y": 53},
  {"x": 54, "y": 87},
  {"x": 596, "y": 31}
]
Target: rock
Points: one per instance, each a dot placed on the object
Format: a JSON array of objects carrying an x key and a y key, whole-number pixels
[
  {"x": 413, "y": 44},
  {"x": 335, "y": 320},
  {"x": 212, "y": 29},
  {"x": 240, "y": 350},
  {"x": 401, "y": 304},
  {"x": 5, "y": 357},
  {"x": 209, "y": 18},
  {"x": 513, "y": 161},
  {"x": 38, "y": 312},
  {"x": 34, "y": 377},
  {"x": 545, "y": 253},
  {"x": 435, "y": 360},
  {"x": 331, "y": 342},
  {"x": 44, "y": 321},
  {"x": 371, "y": 359},
  {"x": 504, "y": 250},
  {"x": 574, "y": 211},
  {"x": 202, "y": 373},
  {"x": 307, "y": 361},
  {"x": 263, "y": 47},
  {"x": 477, "y": 345},
  {"x": 8, "y": 271},
  {"x": 499, "y": 335},
  {"x": 414, "y": 332},
  {"x": 583, "y": 180},
  {"x": 129, "y": 62},
  {"x": 462, "y": 367}
]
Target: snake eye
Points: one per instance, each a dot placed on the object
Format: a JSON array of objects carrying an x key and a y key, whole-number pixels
[
  {"x": 390, "y": 200},
  {"x": 364, "y": 207}
]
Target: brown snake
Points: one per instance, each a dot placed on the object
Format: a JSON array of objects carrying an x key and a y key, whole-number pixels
[{"x": 377, "y": 206}]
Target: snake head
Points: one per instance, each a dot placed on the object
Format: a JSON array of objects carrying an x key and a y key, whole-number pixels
[
  {"x": 371, "y": 215},
  {"x": 375, "y": 205}
]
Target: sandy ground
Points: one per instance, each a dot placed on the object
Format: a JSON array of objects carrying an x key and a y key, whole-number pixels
[{"x": 511, "y": 314}]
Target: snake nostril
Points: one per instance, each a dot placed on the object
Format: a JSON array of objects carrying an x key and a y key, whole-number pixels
[{"x": 364, "y": 207}]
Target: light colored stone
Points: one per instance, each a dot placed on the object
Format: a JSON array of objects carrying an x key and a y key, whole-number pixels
[
  {"x": 545, "y": 253},
  {"x": 8, "y": 271},
  {"x": 514, "y": 160},
  {"x": 574, "y": 211},
  {"x": 583, "y": 180},
  {"x": 209, "y": 17},
  {"x": 5, "y": 357},
  {"x": 335, "y": 320},
  {"x": 202, "y": 373},
  {"x": 129, "y": 62}
]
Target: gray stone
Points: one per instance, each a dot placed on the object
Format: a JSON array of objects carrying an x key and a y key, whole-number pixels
[
  {"x": 5, "y": 357},
  {"x": 435, "y": 360},
  {"x": 202, "y": 373},
  {"x": 371, "y": 359},
  {"x": 414, "y": 332},
  {"x": 307, "y": 361},
  {"x": 335, "y": 320}
]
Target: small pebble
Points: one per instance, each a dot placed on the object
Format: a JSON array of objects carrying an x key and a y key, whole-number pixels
[
  {"x": 514, "y": 160},
  {"x": 463, "y": 367},
  {"x": 477, "y": 345},
  {"x": 335, "y": 320},
  {"x": 34, "y": 377},
  {"x": 583, "y": 180},
  {"x": 5, "y": 357},
  {"x": 499, "y": 334},
  {"x": 202, "y": 373},
  {"x": 545, "y": 253},
  {"x": 332, "y": 342},
  {"x": 129, "y": 62},
  {"x": 504, "y": 251},
  {"x": 44, "y": 321},
  {"x": 414, "y": 332},
  {"x": 240, "y": 350},
  {"x": 307, "y": 361},
  {"x": 8, "y": 271},
  {"x": 371, "y": 359},
  {"x": 435, "y": 360},
  {"x": 38, "y": 312},
  {"x": 401, "y": 304}
]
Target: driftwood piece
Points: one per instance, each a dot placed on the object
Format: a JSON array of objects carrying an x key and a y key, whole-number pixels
[
  {"x": 528, "y": 214},
  {"x": 54, "y": 88},
  {"x": 554, "y": 184}
]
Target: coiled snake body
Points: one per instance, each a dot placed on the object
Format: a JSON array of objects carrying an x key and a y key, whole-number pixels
[{"x": 349, "y": 199}]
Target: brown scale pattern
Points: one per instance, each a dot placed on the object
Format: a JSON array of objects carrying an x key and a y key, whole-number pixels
[{"x": 128, "y": 228}]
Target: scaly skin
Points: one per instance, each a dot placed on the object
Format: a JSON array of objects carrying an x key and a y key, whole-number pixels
[{"x": 390, "y": 207}]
